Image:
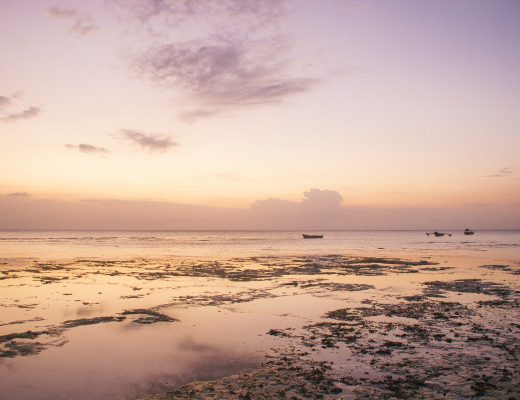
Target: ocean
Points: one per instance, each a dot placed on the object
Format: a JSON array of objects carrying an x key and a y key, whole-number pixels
[{"x": 64, "y": 244}]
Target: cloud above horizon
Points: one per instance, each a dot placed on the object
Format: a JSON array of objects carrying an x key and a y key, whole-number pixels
[
  {"x": 319, "y": 210},
  {"x": 17, "y": 194},
  {"x": 87, "y": 148},
  {"x": 150, "y": 142},
  {"x": 329, "y": 199},
  {"x": 82, "y": 24},
  {"x": 238, "y": 58},
  {"x": 24, "y": 114},
  {"x": 4, "y": 101},
  {"x": 502, "y": 173}
]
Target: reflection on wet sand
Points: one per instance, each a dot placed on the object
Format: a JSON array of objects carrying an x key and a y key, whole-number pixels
[{"x": 300, "y": 326}]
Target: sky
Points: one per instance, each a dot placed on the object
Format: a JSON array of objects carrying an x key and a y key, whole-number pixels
[{"x": 265, "y": 114}]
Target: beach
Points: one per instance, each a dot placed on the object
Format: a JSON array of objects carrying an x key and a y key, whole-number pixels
[{"x": 259, "y": 315}]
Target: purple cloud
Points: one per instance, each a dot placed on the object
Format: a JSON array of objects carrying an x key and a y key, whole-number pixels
[
  {"x": 81, "y": 24},
  {"x": 222, "y": 74},
  {"x": 237, "y": 59},
  {"x": 178, "y": 11},
  {"x": 87, "y": 148},
  {"x": 25, "y": 114},
  {"x": 62, "y": 12},
  {"x": 147, "y": 141}
]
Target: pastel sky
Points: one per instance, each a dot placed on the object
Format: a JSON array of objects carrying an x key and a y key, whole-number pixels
[{"x": 259, "y": 114}]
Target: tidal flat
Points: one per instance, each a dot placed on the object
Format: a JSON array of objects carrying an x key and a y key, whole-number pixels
[{"x": 345, "y": 326}]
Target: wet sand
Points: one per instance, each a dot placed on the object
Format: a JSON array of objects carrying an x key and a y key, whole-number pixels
[{"x": 302, "y": 326}]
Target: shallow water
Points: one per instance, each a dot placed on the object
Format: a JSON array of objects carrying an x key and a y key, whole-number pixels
[
  {"x": 223, "y": 314},
  {"x": 63, "y": 244}
]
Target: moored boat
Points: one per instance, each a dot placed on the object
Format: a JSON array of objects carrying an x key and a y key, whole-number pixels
[
  {"x": 438, "y": 234},
  {"x": 468, "y": 232},
  {"x": 306, "y": 236}
]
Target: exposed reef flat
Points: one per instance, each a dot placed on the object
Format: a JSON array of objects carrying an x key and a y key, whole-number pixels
[
  {"x": 11, "y": 346},
  {"x": 346, "y": 326},
  {"x": 420, "y": 348}
]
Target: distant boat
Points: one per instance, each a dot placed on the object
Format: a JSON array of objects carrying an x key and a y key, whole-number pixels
[
  {"x": 468, "y": 232},
  {"x": 305, "y": 236},
  {"x": 438, "y": 234}
]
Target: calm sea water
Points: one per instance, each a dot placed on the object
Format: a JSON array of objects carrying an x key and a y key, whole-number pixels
[{"x": 63, "y": 244}]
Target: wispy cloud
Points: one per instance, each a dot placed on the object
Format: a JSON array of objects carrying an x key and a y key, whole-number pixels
[
  {"x": 17, "y": 194},
  {"x": 82, "y": 24},
  {"x": 175, "y": 11},
  {"x": 62, "y": 12},
  {"x": 193, "y": 115},
  {"x": 146, "y": 141},
  {"x": 25, "y": 114},
  {"x": 4, "y": 101},
  {"x": 87, "y": 148},
  {"x": 222, "y": 74},
  {"x": 238, "y": 58},
  {"x": 502, "y": 173}
]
